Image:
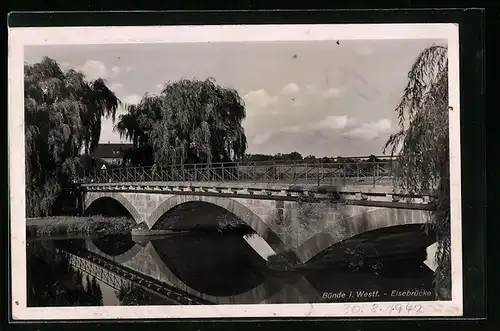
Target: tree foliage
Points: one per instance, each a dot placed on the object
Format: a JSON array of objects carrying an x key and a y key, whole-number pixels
[
  {"x": 191, "y": 121},
  {"x": 422, "y": 143},
  {"x": 63, "y": 115},
  {"x": 296, "y": 156}
]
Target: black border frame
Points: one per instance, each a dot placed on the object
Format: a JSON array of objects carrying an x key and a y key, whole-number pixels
[{"x": 473, "y": 149}]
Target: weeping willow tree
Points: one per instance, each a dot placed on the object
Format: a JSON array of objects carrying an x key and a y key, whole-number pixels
[
  {"x": 191, "y": 121},
  {"x": 423, "y": 146},
  {"x": 62, "y": 113},
  {"x": 137, "y": 125}
]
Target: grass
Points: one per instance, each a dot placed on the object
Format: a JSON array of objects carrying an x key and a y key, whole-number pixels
[{"x": 70, "y": 225}]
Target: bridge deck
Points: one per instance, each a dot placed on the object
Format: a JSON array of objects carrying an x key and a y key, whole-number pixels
[
  {"x": 361, "y": 195},
  {"x": 384, "y": 186}
]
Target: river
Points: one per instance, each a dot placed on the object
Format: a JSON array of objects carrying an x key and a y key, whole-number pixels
[{"x": 201, "y": 268}]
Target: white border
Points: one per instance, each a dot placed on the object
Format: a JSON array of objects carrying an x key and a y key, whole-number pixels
[{"x": 20, "y": 37}]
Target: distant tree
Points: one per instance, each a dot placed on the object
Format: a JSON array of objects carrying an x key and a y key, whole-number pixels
[
  {"x": 310, "y": 157},
  {"x": 277, "y": 157},
  {"x": 295, "y": 156},
  {"x": 422, "y": 143},
  {"x": 369, "y": 165},
  {"x": 259, "y": 157},
  {"x": 63, "y": 114},
  {"x": 191, "y": 121}
]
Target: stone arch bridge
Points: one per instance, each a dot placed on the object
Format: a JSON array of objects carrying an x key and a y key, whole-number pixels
[{"x": 275, "y": 212}]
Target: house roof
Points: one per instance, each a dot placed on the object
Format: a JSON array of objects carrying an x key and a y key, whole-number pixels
[{"x": 111, "y": 150}]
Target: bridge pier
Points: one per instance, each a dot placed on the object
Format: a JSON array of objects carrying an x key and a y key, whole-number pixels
[{"x": 81, "y": 202}]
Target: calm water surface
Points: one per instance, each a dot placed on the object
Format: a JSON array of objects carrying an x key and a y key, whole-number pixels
[{"x": 201, "y": 268}]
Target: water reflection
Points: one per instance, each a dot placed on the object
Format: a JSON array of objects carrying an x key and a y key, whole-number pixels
[
  {"x": 52, "y": 282},
  {"x": 200, "y": 268},
  {"x": 213, "y": 264},
  {"x": 114, "y": 245}
]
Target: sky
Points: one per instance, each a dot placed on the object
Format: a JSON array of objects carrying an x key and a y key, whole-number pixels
[{"x": 314, "y": 97}]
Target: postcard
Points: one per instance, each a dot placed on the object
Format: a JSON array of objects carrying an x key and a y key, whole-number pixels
[{"x": 235, "y": 171}]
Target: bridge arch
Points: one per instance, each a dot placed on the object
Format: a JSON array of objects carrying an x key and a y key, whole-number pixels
[
  {"x": 231, "y": 205},
  {"x": 120, "y": 259},
  {"x": 94, "y": 196},
  {"x": 257, "y": 294},
  {"x": 350, "y": 227}
]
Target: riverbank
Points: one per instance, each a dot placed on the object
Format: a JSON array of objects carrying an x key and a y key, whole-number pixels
[{"x": 70, "y": 225}]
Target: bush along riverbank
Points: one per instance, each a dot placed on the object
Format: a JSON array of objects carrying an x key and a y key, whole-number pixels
[
  {"x": 69, "y": 225},
  {"x": 241, "y": 229}
]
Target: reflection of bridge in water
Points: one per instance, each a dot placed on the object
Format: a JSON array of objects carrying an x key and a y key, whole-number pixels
[
  {"x": 149, "y": 262},
  {"x": 119, "y": 277},
  {"x": 155, "y": 265}
]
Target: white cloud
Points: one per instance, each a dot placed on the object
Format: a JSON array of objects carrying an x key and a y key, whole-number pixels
[
  {"x": 159, "y": 86},
  {"x": 116, "y": 87},
  {"x": 382, "y": 125},
  {"x": 261, "y": 138},
  {"x": 331, "y": 122},
  {"x": 331, "y": 93},
  {"x": 315, "y": 92},
  {"x": 370, "y": 131},
  {"x": 93, "y": 69},
  {"x": 132, "y": 99},
  {"x": 65, "y": 65},
  {"x": 258, "y": 100},
  {"x": 291, "y": 88},
  {"x": 117, "y": 69}
]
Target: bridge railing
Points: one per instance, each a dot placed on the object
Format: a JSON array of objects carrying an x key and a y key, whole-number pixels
[{"x": 355, "y": 171}]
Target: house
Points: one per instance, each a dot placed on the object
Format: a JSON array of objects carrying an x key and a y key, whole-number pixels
[{"x": 111, "y": 153}]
